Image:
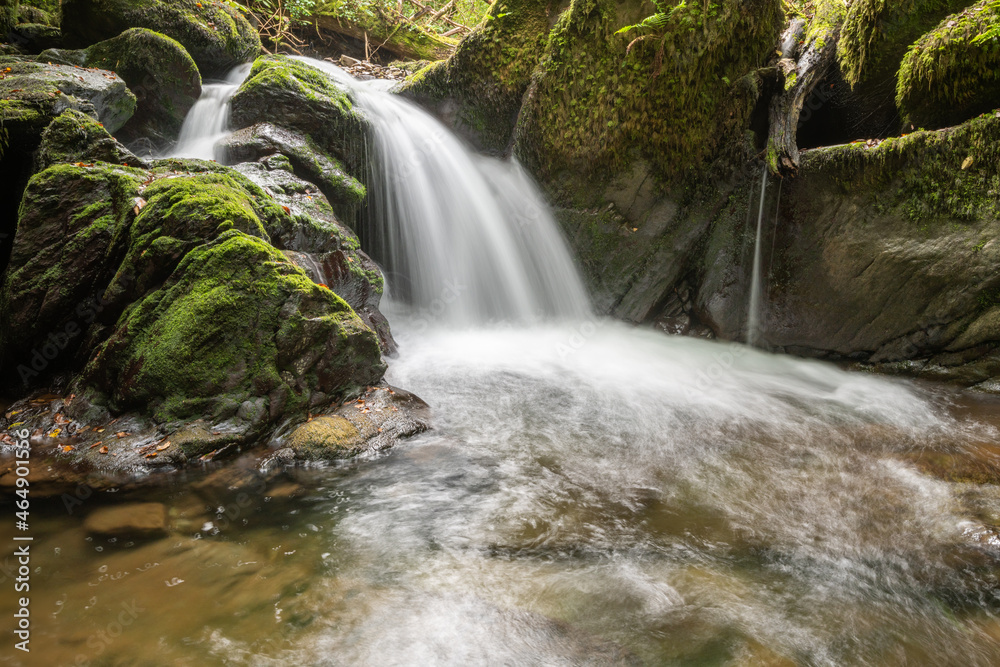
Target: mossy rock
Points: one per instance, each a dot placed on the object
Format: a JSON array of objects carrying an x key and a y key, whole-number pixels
[
  {"x": 216, "y": 35},
  {"x": 29, "y": 14},
  {"x": 479, "y": 88},
  {"x": 76, "y": 137},
  {"x": 953, "y": 72},
  {"x": 236, "y": 319},
  {"x": 325, "y": 438},
  {"x": 63, "y": 256},
  {"x": 35, "y": 37},
  {"x": 595, "y": 107},
  {"x": 302, "y": 99},
  {"x": 873, "y": 42},
  {"x": 161, "y": 74}
]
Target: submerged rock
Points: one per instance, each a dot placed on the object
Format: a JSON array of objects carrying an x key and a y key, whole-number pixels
[
  {"x": 216, "y": 35},
  {"x": 133, "y": 520}
]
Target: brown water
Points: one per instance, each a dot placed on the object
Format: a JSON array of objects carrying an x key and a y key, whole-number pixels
[{"x": 636, "y": 500}]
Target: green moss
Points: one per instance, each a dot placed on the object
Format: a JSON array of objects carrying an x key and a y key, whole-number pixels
[
  {"x": 325, "y": 438},
  {"x": 929, "y": 178},
  {"x": 953, "y": 72},
  {"x": 8, "y": 15},
  {"x": 594, "y": 107},
  {"x": 236, "y": 320},
  {"x": 490, "y": 70},
  {"x": 382, "y": 28},
  {"x": 877, "y": 34}
]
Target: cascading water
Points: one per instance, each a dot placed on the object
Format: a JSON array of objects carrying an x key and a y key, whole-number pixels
[
  {"x": 753, "y": 310},
  {"x": 456, "y": 227},
  {"x": 208, "y": 120},
  {"x": 591, "y": 493}
]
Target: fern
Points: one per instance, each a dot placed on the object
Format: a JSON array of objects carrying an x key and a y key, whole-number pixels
[{"x": 657, "y": 21}]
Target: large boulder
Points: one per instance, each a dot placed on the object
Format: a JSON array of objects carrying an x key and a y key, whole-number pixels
[
  {"x": 35, "y": 37},
  {"x": 61, "y": 261},
  {"x": 953, "y": 72},
  {"x": 875, "y": 37},
  {"x": 161, "y": 74},
  {"x": 76, "y": 137},
  {"x": 237, "y": 321},
  {"x": 369, "y": 22},
  {"x": 8, "y": 16},
  {"x": 302, "y": 99},
  {"x": 216, "y": 34}
]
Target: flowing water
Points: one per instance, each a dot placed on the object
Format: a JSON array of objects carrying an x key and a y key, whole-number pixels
[
  {"x": 756, "y": 278},
  {"x": 208, "y": 120},
  {"x": 591, "y": 493}
]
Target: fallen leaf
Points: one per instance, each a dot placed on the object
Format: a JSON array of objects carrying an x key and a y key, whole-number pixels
[
  {"x": 286, "y": 209},
  {"x": 55, "y": 433},
  {"x": 151, "y": 455},
  {"x": 163, "y": 446},
  {"x": 103, "y": 450},
  {"x": 67, "y": 448},
  {"x": 97, "y": 444},
  {"x": 121, "y": 434}
]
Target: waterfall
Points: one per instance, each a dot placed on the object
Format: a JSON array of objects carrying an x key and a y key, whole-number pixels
[
  {"x": 208, "y": 120},
  {"x": 468, "y": 234},
  {"x": 753, "y": 311}
]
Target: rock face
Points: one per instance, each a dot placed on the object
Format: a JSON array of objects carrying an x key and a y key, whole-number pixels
[
  {"x": 161, "y": 74},
  {"x": 953, "y": 72},
  {"x": 886, "y": 254},
  {"x": 216, "y": 35},
  {"x": 35, "y": 37}
]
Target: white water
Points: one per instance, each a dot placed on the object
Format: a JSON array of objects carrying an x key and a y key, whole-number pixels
[
  {"x": 208, "y": 121},
  {"x": 454, "y": 228}
]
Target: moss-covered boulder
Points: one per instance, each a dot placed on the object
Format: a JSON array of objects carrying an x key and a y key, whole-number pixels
[
  {"x": 320, "y": 244},
  {"x": 35, "y": 37},
  {"x": 216, "y": 34},
  {"x": 235, "y": 322},
  {"x": 161, "y": 74},
  {"x": 953, "y": 72},
  {"x": 76, "y": 137},
  {"x": 479, "y": 88},
  {"x": 875, "y": 37},
  {"x": 62, "y": 259},
  {"x": 29, "y": 14},
  {"x": 596, "y": 108},
  {"x": 303, "y": 99},
  {"x": 310, "y": 162}
]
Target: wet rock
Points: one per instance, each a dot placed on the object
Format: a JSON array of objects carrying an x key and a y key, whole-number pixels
[
  {"x": 307, "y": 160},
  {"x": 135, "y": 521},
  {"x": 29, "y": 14},
  {"x": 376, "y": 421},
  {"x": 216, "y": 35}
]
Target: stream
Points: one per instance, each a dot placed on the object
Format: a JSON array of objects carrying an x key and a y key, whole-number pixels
[{"x": 591, "y": 492}]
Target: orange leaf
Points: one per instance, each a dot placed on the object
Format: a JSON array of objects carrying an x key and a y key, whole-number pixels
[
  {"x": 286, "y": 209},
  {"x": 96, "y": 444},
  {"x": 163, "y": 446},
  {"x": 67, "y": 448},
  {"x": 103, "y": 450}
]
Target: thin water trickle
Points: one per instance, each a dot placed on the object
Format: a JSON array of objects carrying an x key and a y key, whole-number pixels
[
  {"x": 753, "y": 310},
  {"x": 208, "y": 121}
]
